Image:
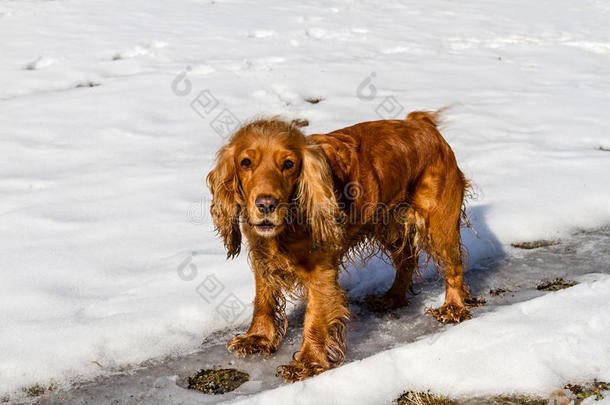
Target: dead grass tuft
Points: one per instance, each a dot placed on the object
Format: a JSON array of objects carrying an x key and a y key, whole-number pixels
[
  {"x": 423, "y": 398},
  {"x": 36, "y": 390},
  {"x": 555, "y": 285},
  {"x": 587, "y": 390},
  {"x": 518, "y": 400},
  {"x": 314, "y": 100},
  {"x": 87, "y": 84},
  {"x": 535, "y": 244},
  {"x": 499, "y": 291}
]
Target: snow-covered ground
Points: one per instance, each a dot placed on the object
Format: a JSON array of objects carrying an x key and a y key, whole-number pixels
[
  {"x": 111, "y": 112},
  {"x": 523, "y": 341}
]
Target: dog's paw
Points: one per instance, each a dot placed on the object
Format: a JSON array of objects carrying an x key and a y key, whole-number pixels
[
  {"x": 450, "y": 313},
  {"x": 298, "y": 370},
  {"x": 385, "y": 302},
  {"x": 245, "y": 345}
]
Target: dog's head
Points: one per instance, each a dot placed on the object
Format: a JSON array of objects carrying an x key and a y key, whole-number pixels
[{"x": 267, "y": 173}]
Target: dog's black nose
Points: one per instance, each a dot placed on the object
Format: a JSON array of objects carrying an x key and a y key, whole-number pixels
[{"x": 266, "y": 203}]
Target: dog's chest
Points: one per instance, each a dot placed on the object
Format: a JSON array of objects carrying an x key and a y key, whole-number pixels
[{"x": 287, "y": 263}]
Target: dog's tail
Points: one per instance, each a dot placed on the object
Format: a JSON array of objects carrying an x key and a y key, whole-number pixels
[{"x": 433, "y": 118}]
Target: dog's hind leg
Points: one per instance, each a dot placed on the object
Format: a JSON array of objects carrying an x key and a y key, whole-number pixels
[
  {"x": 446, "y": 251},
  {"x": 438, "y": 204}
]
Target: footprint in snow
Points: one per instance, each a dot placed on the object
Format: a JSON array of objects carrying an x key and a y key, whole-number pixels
[
  {"x": 261, "y": 34},
  {"x": 285, "y": 95},
  {"x": 307, "y": 19},
  {"x": 202, "y": 69},
  {"x": 316, "y": 33},
  {"x": 259, "y": 64},
  {"x": 87, "y": 84},
  {"x": 40, "y": 63},
  {"x": 394, "y": 50},
  {"x": 139, "y": 50},
  {"x": 321, "y": 33}
]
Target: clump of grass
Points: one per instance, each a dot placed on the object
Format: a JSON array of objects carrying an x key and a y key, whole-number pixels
[
  {"x": 87, "y": 84},
  {"x": 589, "y": 390},
  {"x": 299, "y": 122},
  {"x": 518, "y": 400},
  {"x": 499, "y": 291},
  {"x": 423, "y": 398},
  {"x": 36, "y": 390},
  {"x": 555, "y": 285},
  {"x": 211, "y": 381},
  {"x": 535, "y": 244},
  {"x": 314, "y": 100}
]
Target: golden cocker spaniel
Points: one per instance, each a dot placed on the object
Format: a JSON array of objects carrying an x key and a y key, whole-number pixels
[{"x": 305, "y": 203}]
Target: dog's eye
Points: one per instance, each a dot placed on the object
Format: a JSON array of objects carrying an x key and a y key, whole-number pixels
[
  {"x": 246, "y": 163},
  {"x": 288, "y": 164}
]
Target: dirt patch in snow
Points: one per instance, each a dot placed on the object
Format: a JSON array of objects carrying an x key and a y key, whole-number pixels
[{"x": 217, "y": 381}]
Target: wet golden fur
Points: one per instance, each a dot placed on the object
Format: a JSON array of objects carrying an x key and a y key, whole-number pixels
[{"x": 305, "y": 204}]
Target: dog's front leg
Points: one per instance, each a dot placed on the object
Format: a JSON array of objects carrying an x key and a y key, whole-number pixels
[
  {"x": 326, "y": 317},
  {"x": 268, "y": 321}
]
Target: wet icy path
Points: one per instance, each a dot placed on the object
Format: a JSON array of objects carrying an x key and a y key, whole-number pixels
[{"x": 162, "y": 381}]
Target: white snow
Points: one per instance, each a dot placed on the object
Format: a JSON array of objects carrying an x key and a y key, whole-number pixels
[
  {"x": 534, "y": 346},
  {"x": 102, "y": 187}
]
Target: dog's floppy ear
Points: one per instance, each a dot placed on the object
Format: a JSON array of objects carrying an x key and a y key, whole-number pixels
[
  {"x": 316, "y": 196},
  {"x": 226, "y": 207},
  {"x": 339, "y": 152}
]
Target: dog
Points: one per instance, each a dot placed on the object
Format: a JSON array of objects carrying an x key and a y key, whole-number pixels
[{"x": 306, "y": 203}]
